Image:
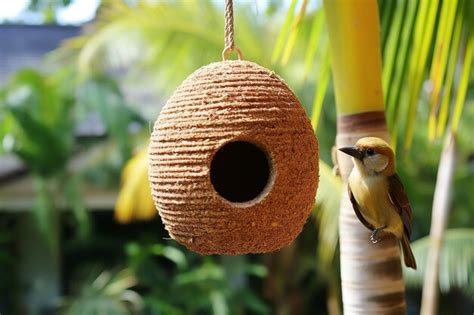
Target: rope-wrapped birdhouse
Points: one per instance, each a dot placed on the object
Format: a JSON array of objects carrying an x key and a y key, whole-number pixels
[{"x": 233, "y": 159}]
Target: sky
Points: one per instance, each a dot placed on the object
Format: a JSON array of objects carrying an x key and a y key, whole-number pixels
[{"x": 78, "y": 12}]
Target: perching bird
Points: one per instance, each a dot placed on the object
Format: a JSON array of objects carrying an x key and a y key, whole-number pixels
[{"x": 377, "y": 194}]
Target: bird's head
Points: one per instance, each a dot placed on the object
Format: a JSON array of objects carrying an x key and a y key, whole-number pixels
[{"x": 372, "y": 156}]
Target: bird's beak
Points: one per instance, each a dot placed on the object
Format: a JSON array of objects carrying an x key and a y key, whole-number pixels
[{"x": 353, "y": 151}]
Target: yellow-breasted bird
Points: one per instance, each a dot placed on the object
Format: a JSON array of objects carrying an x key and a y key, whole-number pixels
[{"x": 377, "y": 194}]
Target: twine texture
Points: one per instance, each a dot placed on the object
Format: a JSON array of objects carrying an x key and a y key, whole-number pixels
[{"x": 222, "y": 102}]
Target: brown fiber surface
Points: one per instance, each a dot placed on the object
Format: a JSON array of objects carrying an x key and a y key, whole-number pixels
[{"x": 222, "y": 102}]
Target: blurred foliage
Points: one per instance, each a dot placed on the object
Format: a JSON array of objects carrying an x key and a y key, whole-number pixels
[
  {"x": 175, "y": 281},
  {"x": 101, "y": 94},
  {"x": 109, "y": 293},
  {"x": 427, "y": 76},
  {"x": 170, "y": 38},
  {"x": 417, "y": 37},
  {"x": 9, "y": 289},
  {"x": 456, "y": 265},
  {"x": 48, "y": 8},
  {"x": 39, "y": 118},
  {"x": 327, "y": 216},
  {"x": 36, "y": 112},
  {"x": 163, "y": 42}
]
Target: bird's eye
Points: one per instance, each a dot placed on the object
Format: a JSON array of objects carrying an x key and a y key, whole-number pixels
[{"x": 370, "y": 152}]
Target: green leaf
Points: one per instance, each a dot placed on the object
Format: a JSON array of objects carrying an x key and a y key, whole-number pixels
[
  {"x": 206, "y": 272},
  {"x": 395, "y": 89},
  {"x": 39, "y": 120},
  {"x": 456, "y": 261},
  {"x": 285, "y": 29},
  {"x": 290, "y": 44},
  {"x": 173, "y": 254},
  {"x": 75, "y": 200},
  {"x": 102, "y": 94},
  {"x": 257, "y": 270},
  {"x": 423, "y": 34},
  {"x": 463, "y": 83},
  {"x": 322, "y": 85},
  {"x": 314, "y": 41},
  {"x": 327, "y": 215},
  {"x": 387, "y": 9},
  {"x": 392, "y": 47},
  {"x": 440, "y": 60},
  {"x": 451, "y": 71},
  {"x": 127, "y": 35},
  {"x": 219, "y": 303},
  {"x": 46, "y": 215}
]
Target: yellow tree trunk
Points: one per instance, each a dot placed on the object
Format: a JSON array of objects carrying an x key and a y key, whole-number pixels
[{"x": 371, "y": 274}]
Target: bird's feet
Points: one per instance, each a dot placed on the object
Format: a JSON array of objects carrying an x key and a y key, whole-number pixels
[{"x": 373, "y": 236}]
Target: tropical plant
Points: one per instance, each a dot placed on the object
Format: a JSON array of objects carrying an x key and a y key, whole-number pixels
[
  {"x": 39, "y": 115},
  {"x": 410, "y": 36},
  {"x": 105, "y": 293},
  {"x": 456, "y": 261},
  {"x": 35, "y": 114},
  {"x": 38, "y": 125},
  {"x": 451, "y": 42},
  {"x": 326, "y": 214},
  {"x": 172, "y": 39},
  {"x": 193, "y": 284}
]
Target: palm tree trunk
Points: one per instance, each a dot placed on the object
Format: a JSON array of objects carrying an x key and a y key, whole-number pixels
[
  {"x": 371, "y": 274},
  {"x": 439, "y": 221}
]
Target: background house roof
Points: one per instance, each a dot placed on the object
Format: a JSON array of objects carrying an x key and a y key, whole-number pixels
[{"x": 25, "y": 45}]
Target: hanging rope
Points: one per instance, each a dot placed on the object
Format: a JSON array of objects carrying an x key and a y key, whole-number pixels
[{"x": 229, "y": 44}]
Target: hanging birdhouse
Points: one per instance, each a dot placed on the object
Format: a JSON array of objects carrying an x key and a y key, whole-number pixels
[{"x": 233, "y": 159}]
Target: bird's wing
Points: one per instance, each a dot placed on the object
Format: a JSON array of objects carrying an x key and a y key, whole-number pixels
[
  {"x": 399, "y": 198},
  {"x": 359, "y": 215}
]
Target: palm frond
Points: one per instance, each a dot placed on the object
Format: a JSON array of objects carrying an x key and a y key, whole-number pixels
[
  {"x": 314, "y": 41},
  {"x": 39, "y": 117},
  {"x": 387, "y": 9},
  {"x": 171, "y": 39},
  {"x": 440, "y": 57},
  {"x": 463, "y": 83},
  {"x": 280, "y": 42},
  {"x": 392, "y": 47},
  {"x": 456, "y": 261},
  {"x": 450, "y": 73},
  {"x": 327, "y": 215},
  {"x": 320, "y": 90},
  {"x": 393, "y": 91},
  {"x": 290, "y": 44},
  {"x": 423, "y": 34},
  {"x": 423, "y": 43},
  {"x": 317, "y": 52}
]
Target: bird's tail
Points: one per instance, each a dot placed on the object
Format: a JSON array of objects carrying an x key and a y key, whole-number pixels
[{"x": 407, "y": 253}]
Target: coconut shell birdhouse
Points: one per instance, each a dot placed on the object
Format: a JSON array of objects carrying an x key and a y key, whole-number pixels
[{"x": 233, "y": 161}]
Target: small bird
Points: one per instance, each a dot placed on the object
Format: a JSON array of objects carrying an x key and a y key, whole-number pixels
[{"x": 377, "y": 193}]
